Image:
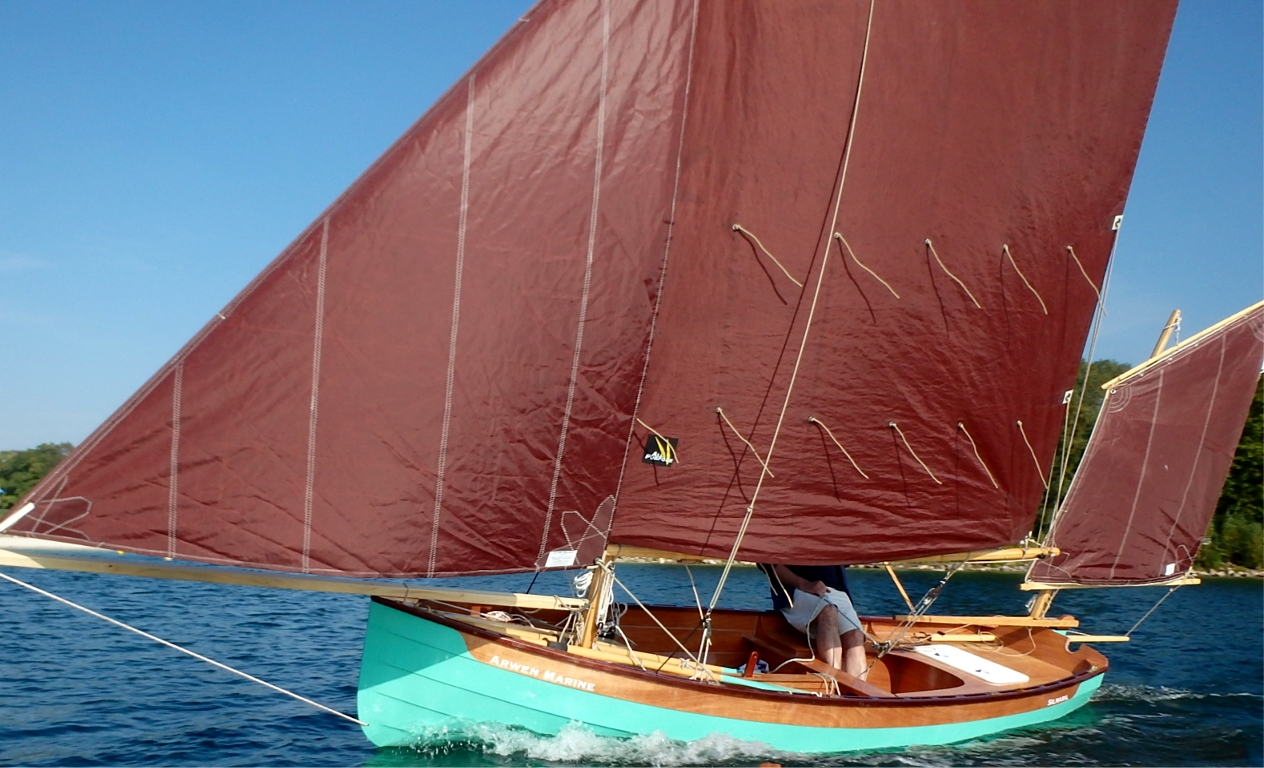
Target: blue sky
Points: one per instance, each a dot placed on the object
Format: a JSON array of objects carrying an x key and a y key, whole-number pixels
[{"x": 155, "y": 155}]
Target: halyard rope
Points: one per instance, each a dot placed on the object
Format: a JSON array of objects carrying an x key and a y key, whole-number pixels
[
  {"x": 197, "y": 656},
  {"x": 820, "y": 277},
  {"x": 852, "y": 253},
  {"x": 900, "y": 432},
  {"x": 751, "y": 235},
  {"x": 819, "y": 423},
  {"x": 1026, "y": 282},
  {"x": 940, "y": 262}
]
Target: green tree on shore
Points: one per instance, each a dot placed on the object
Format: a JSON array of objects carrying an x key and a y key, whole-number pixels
[
  {"x": 21, "y": 470},
  {"x": 1237, "y": 529}
]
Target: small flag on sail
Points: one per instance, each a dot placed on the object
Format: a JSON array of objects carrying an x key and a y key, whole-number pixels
[{"x": 660, "y": 450}]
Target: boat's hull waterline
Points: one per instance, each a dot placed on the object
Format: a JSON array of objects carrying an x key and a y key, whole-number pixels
[{"x": 420, "y": 674}]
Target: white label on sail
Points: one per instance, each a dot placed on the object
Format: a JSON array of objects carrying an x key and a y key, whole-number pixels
[
  {"x": 560, "y": 558},
  {"x": 1169, "y": 569},
  {"x": 967, "y": 662}
]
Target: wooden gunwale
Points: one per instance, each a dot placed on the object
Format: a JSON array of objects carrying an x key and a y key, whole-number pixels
[{"x": 739, "y": 692}]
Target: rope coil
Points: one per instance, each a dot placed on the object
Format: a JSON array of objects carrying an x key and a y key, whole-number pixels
[
  {"x": 1026, "y": 282},
  {"x": 940, "y": 261},
  {"x": 819, "y": 423},
  {"x": 852, "y": 253},
  {"x": 900, "y": 432},
  {"x": 751, "y": 235}
]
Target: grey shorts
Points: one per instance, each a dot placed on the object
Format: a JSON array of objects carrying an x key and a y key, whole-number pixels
[{"x": 806, "y": 606}]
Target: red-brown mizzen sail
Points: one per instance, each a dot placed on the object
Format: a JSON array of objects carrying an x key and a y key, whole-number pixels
[
  {"x": 454, "y": 370},
  {"x": 1154, "y": 468}
]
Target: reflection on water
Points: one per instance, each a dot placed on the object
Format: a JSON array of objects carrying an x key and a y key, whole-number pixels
[{"x": 77, "y": 691}]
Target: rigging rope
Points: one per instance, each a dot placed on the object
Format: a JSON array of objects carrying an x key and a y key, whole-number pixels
[
  {"x": 701, "y": 666},
  {"x": 803, "y": 342},
  {"x": 197, "y": 656},
  {"x": 1026, "y": 282},
  {"x": 900, "y": 432},
  {"x": 751, "y": 235},
  {"x": 1033, "y": 454},
  {"x": 762, "y": 463},
  {"x": 1098, "y": 314},
  {"x": 939, "y": 261},
  {"x": 852, "y": 253},
  {"x": 1084, "y": 272},
  {"x": 962, "y": 427},
  {"x": 821, "y": 424},
  {"x": 1153, "y": 608}
]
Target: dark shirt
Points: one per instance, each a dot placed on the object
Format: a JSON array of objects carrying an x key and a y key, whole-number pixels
[{"x": 830, "y": 575}]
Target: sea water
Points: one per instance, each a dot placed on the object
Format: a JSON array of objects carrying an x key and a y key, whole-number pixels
[{"x": 75, "y": 690}]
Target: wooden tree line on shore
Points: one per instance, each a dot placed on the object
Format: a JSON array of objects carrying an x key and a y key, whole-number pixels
[{"x": 1236, "y": 535}]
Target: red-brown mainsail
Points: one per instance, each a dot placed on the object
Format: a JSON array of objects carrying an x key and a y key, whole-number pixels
[{"x": 457, "y": 364}]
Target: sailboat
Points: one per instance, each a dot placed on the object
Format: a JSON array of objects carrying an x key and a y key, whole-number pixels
[{"x": 787, "y": 282}]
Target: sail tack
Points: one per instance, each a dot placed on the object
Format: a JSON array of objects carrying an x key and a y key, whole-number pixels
[
  {"x": 451, "y": 371},
  {"x": 1153, "y": 470}
]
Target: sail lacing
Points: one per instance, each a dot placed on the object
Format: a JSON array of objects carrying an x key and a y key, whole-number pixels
[
  {"x": 819, "y": 423},
  {"x": 803, "y": 342},
  {"x": 1034, "y": 458},
  {"x": 1026, "y": 282},
  {"x": 912, "y": 452},
  {"x": 758, "y": 458},
  {"x": 860, "y": 264},
  {"x": 186, "y": 651},
  {"x": 982, "y": 463},
  {"x": 956, "y": 279},
  {"x": 751, "y": 235}
]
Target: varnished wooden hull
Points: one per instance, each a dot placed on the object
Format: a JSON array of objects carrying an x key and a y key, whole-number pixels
[{"x": 421, "y": 671}]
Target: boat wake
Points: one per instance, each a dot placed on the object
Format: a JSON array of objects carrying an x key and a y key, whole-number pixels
[
  {"x": 575, "y": 744},
  {"x": 1150, "y": 694}
]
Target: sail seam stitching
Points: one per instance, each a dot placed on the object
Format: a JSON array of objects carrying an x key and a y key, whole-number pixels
[
  {"x": 173, "y": 486},
  {"x": 309, "y": 490},
  {"x": 1145, "y": 462},
  {"x": 588, "y": 267},
  {"x": 662, "y": 271},
  {"x": 441, "y": 467},
  {"x": 1211, "y": 406}
]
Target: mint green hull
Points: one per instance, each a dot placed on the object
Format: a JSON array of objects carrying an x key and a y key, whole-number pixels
[{"x": 417, "y": 675}]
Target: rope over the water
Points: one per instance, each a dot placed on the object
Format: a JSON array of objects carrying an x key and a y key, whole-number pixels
[{"x": 197, "y": 656}]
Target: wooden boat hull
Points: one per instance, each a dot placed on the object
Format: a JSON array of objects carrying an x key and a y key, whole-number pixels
[{"x": 418, "y": 674}]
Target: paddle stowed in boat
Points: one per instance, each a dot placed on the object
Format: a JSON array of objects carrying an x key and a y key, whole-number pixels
[{"x": 781, "y": 282}]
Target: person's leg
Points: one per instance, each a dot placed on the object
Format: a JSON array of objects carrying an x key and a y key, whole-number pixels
[
  {"x": 825, "y": 637},
  {"x": 853, "y": 652}
]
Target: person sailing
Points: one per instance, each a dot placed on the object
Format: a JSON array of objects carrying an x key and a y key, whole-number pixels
[{"x": 816, "y": 601}]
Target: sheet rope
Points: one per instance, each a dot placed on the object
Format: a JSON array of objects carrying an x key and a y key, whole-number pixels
[{"x": 186, "y": 651}]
